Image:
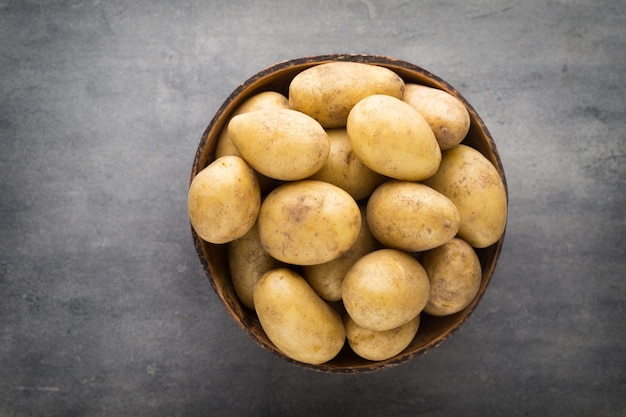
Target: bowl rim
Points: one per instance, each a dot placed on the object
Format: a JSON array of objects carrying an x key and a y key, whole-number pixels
[{"x": 293, "y": 66}]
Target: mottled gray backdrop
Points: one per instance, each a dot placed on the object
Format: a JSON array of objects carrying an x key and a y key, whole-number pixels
[{"x": 104, "y": 308}]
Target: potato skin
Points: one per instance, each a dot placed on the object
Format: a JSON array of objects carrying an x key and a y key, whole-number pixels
[
  {"x": 411, "y": 216},
  {"x": 299, "y": 323},
  {"x": 379, "y": 345},
  {"x": 308, "y": 222},
  {"x": 326, "y": 278},
  {"x": 327, "y": 92},
  {"x": 385, "y": 289},
  {"x": 392, "y": 138},
  {"x": 345, "y": 170},
  {"x": 473, "y": 184},
  {"x": 282, "y": 144},
  {"x": 224, "y": 200},
  {"x": 265, "y": 100},
  {"x": 446, "y": 115},
  {"x": 248, "y": 261},
  {"x": 455, "y": 274}
]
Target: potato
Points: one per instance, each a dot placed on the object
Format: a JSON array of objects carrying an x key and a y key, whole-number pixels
[
  {"x": 385, "y": 289},
  {"x": 446, "y": 115},
  {"x": 411, "y": 216},
  {"x": 281, "y": 143},
  {"x": 390, "y": 137},
  {"x": 224, "y": 200},
  {"x": 454, "y": 273},
  {"x": 308, "y": 222},
  {"x": 261, "y": 101},
  {"x": 248, "y": 261},
  {"x": 266, "y": 100},
  {"x": 326, "y": 278},
  {"x": 345, "y": 170},
  {"x": 299, "y": 323},
  {"x": 327, "y": 92},
  {"x": 379, "y": 345},
  {"x": 225, "y": 147},
  {"x": 473, "y": 184}
]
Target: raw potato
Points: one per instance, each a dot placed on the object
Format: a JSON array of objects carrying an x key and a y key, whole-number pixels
[
  {"x": 380, "y": 345},
  {"x": 411, "y": 216},
  {"x": 281, "y": 143},
  {"x": 266, "y": 100},
  {"x": 262, "y": 101},
  {"x": 224, "y": 200},
  {"x": 326, "y": 278},
  {"x": 454, "y": 273},
  {"x": 248, "y": 261},
  {"x": 327, "y": 92},
  {"x": 446, "y": 115},
  {"x": 392, "y": 138},
  {"x": 475, "y": 187},
  {"x": 385, "y": 289},
  {"x": 308, "y": 222},
  {"x": 345, "y": 170},
  {"x": 299, "y": 323}
]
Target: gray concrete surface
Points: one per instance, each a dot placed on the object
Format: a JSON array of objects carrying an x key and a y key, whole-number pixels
[{"x": 104, "y": 309}]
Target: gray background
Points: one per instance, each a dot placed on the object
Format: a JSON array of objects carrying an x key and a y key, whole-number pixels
[{"x": 104, "y": 308}]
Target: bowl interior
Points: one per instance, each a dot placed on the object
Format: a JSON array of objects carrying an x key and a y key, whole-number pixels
[{"x": 433, "y": 330}]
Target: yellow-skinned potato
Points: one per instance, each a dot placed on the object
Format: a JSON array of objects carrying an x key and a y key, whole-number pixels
[
  {"x": 226, "y": 147},
  {"x": 379, "y": 345},
  {"x": 224, "y": 200},
  {"x": 299, "y": 323},
  {"x": 473, "y": 184},
  {"x": 248, "y": 261},
  {"x": 385, "y": 289},
  {"x": 392, "y": 138},
  {"x": 447, "y": 116},
  {"x": 327, "y": 92},
  {"x": 266, "y": 100},
  {"x": 281, "y": 143},
  {"x": 411, "y": 216},
  {"x": 326, "y": 278},
  {"x": 308, "y": 222},
  {"x": 344, "y": 169},
  {"x": 454, "y": 273}
]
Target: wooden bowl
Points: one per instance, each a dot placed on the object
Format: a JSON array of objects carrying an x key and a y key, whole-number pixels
[{"x": 433, "y": 330}]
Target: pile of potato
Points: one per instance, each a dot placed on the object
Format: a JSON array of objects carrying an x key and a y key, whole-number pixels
[{"x": 349, "y": 208}]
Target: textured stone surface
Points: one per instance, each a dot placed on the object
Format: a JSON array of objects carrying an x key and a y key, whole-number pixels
[{"x": 104, "y": 309}]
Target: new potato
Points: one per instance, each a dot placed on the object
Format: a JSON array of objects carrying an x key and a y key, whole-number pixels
[
  {"x": 411, "y": 216},
  {"x": 446, "y": 115},
  {"x": 385, "y": 289},
  {"x": 247, "y": 262},
  {"x": 223, "y": 200},
  {"x": 473, "y": 184},
  {"x": 280, "y": 143},
  {"x": 345, "y": 170},
  {"x": 326, "y": 278},
  {"x": 380, "y": 345},
  {"x": 299, "y": 323},
  {"x": 327, "y": 92},
  {"x": 308, "y": 222},
  {"x": 266, "y": 100},
  {"x": 392, "y": 138},
  {"x": 454, "y": 273}
]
